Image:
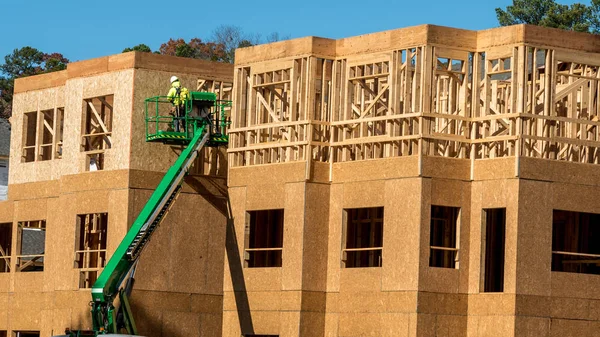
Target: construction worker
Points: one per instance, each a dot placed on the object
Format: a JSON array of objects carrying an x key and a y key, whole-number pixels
[{"x": 178, "y": 96}]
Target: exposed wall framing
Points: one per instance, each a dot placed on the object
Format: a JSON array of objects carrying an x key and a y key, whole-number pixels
[
  {"x": 42, "y": 135},
  {"x": 506, "y": 101},
  {"x": 31, "y": 245},
  {"x": 96, "y": 135},
  {"x": 282, "y": 113},
  {"x": 90, "y": 246}
]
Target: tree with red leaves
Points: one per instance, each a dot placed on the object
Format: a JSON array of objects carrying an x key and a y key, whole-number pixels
[{"x": 194, "y": 49}]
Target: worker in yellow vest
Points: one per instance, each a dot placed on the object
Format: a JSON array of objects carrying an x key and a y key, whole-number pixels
[{"x": 178, "y": 96}]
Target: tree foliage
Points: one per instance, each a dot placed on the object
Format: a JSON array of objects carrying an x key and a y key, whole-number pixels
[
  {"x": 22, "y": 62},
  {"x": 548, "y": 13},
  {"x": 140, "y": 47},
  {"x": 195, "y": 48}
]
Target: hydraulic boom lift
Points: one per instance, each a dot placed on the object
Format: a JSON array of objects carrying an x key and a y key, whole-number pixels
[{"x": 203, "y": 123}]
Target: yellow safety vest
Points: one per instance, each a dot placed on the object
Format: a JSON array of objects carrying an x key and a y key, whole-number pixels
[{"x": 178, "y": 99}]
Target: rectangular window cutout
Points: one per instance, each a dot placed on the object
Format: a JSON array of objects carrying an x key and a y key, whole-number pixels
[
  {"x": 29, "y": 136},
  {"x": 94, "y": 161},
  {"x": 3, "y": 333},
  {"x": 575, "y": 242},
  {"x": 31, "y": 245},
  {"x": 493, "y": 246},
  {"x": 96, "y": 135},
  {"x": 42, "y": 135},
  {"x": 97, "y": 123},
  {"x": 443, "y": 237},
  {"x": 363, "y": 237},
  {"x": 26, "y": 334},
  {"x": 264, "y": 238},
  {"x": 90, "y": 243},
  {"x": 5, "y": 246}
]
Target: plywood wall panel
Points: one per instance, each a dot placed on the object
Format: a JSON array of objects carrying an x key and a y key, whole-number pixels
[
  {"x": 534, "y": 243},
  {"x": 315, "y": 236},
  {"x": 293, "y": 233},
  {"x": 402, "y": 234}
]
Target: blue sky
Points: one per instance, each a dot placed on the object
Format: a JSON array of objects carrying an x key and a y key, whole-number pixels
[{"x": 86, "y": 29}]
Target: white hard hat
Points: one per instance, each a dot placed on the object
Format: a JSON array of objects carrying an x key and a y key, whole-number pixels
[{"x": 174, "y": 78}]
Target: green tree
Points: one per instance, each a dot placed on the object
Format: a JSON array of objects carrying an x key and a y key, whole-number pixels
[
  {"x": 577, "y": 17},
  {"x": 140, "y": 47},
  {"x": 23, "y": 62}
]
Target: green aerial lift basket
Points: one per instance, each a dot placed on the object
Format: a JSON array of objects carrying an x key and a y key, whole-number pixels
[{"x": 178, "y": 127}]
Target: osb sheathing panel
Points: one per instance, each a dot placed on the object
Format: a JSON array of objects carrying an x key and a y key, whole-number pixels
[
  {"x": 155, "y": 156},
  {"x": 293, "y": 234},
  {"x": 233, "y": 274},
  {"x": 181, "y": 65},
  {"x": 28, "y": 102},
  {"x": 101, "y": 65},
  {"x": 71, "y": 96},
  {"x": 534, "y": 254},
  {"x": 27, "y": 210},
  {"x": 61, "y": 230},
  {"x": 402, "y": 233},
  {"x": 286, "y": 49},
  {"x": 560, "y": 38},
  {"x": 25, "y": 310},
  {"x": 6, "y": 211},
  {"x": 491, "y": 326},
  {"x": 373, "y": 325},
  {"x": 4, "y": 311},
  {"x": 450, "y": 168},
  {"x": 265, "y": 301},
  {"x": 501, "y": 193},
  {"x": 500, "y": 36},
  {"x": 559, "y": 171},
  {"x": 334, "y": 239},
  {"x": 371, "y": 301},
  {"x": 388, "y": 168},
  {"x": 539, "y": 306},
  {"x": 42, "y": 81},
  {"x": 453, "y": 193},
  {"x": 314, "y": 301},
  {"x": 186, "y": 254},
  {"x": 312, "y": 324},
  {"x": 383, "y": 41},
  {"x": 35, "y": 190},
  {"x": 5, "y": 282},
  {"x": 276, "y": 174},
  {"x": 497, "y": 168},
  {"x": 119, "y": 83},
  {"x": 268, "y": 323},
  {"x": 537, "y": 200},
  {"x": 91, "y": 181},
  {"x": 452, "y": 37},
  {"x": 314, "y": 274}
]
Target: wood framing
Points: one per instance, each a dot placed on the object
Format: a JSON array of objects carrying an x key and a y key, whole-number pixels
[{"x": 431, "y": 99}]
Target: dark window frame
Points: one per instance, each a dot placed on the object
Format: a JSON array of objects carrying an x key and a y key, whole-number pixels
[
  {"x": 263, "y": 242},
  {"x": 362, "y": 237},
  {"x": 575, "y": 242},
  {"x": 443, "y": 240}
]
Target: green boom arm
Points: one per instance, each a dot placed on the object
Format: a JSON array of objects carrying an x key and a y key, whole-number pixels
[{"x": 106, "y": 288}]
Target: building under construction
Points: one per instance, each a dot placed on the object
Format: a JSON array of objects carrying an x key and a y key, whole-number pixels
[{"x": 425, "y": 181}]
